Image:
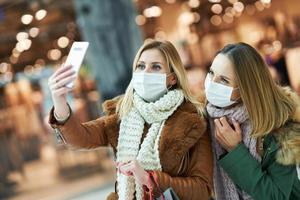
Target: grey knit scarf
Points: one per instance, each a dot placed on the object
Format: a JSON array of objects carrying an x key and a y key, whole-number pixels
[{"x": 224, "y": 187}]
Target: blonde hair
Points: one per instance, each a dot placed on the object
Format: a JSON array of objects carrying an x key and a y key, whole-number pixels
[
  {"x": 175, "y": 65},
  {"x": 268, "y": 105}
]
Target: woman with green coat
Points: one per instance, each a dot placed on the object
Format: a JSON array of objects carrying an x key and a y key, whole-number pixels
[{"x": 255, "y": 129}]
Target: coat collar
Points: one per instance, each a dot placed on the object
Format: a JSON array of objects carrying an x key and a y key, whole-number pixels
[
  {"x": 181, "y": 132},
  {"x": 288, "y": 137}
]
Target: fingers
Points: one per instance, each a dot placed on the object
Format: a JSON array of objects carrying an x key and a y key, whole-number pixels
[
  {"x": 224, "y": 122},
  {"x": 62, "y": 69},
  {"x": 61, "y": 91},
  {"x": 218, "y": 123},
  {"x": 65, "y": 74},
  {"x": 219, "y": 135},
  {"x": 237, "y": 127},
  {"x": 220, "y": 138},
  {"x": 126, "y": 169},
  {"x": 59, "y": 77},
  {"x": 62, "y": 82}
]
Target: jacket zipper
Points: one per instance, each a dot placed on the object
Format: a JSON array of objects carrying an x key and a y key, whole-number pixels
[{"x": 59, "y": 137}]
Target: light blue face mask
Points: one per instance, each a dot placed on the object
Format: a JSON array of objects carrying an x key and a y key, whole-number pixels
[
  {"x": 149, "y": 86},
  {"x": 218, "y": 94}
]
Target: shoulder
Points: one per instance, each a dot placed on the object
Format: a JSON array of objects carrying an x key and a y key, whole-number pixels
[
  {"x": 182, "y": 131},
  {"x": 186, "y": 124},
  {"x": 188, "y": 113},
  {"x": 109, "y": 106}
]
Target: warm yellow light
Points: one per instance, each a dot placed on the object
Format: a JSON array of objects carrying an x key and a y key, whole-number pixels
[
  {"x": 228, "y": 18},
  {"x": 153, "y": 11},
  {"x": 21, "y": 36},
  {"x": 232, "y": 1},
  {"x": 54, "y": 54},
  {"x": 170, "y": 1},
  {"x": 3, "y": 67},
  {"x": 238, "y": 6},
  {"x": 196, "y": 17},
  {"x": 259, "y": 6},
  {"x": 217, "y": 8},
  {"x": 186, "y": 18},
  {"x": 194, "y": 3},
  {"x": 140, "y": 20},
  {"x": 26, "y": 19},
  {"x": 33, "y": 32},
  {"x": 41, "y": 14},
  {"x": 216, "y": 20},
  {"x": 23, "y": 45},
  {"x": 266, "y": 1},
  {"x": 160, "y": 35},
  {"x": 63, "y": 42}
]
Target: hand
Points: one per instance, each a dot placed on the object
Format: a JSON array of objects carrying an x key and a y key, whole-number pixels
[
  {"x": 225, "y": 135},
  {"x": 57, "y": 82},
  {"x": 133, "y": 168}
]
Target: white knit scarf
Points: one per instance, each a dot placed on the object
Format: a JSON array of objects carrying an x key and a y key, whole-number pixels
[{"x": 130, "y": 135}]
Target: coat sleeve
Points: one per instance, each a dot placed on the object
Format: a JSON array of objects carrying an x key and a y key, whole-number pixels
[
  {"x": 273, "y": 183},
  {"x": 197, "y": 182},
  {"x": 81, "y": 135}
]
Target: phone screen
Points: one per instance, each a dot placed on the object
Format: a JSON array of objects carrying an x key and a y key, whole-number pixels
[{"x": 76, "y": 56}]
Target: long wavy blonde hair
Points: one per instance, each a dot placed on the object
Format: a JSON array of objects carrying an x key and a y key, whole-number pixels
[
  {"x": 175, "y": 65},
  {"x": 268, "y": 105}
]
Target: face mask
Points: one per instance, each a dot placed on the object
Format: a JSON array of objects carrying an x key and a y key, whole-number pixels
[
  {"x": 218, "y": 94},
  {"x": 149, "y": 86}
]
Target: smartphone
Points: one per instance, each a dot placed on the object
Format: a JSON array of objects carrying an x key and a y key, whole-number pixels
[{"x": 75, "y": 57}]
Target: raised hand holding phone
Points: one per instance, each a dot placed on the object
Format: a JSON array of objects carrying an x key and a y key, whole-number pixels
[{"x": 62, "y": 81}]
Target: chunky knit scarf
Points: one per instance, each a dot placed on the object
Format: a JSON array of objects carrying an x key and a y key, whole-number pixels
[
  {"x": 130, "y": 135},
  {"x": 225, "y": 189}
]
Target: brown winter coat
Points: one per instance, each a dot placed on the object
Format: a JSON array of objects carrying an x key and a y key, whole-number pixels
[{"x": 185, "y": 149}]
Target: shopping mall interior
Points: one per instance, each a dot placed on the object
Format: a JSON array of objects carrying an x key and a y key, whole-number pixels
[{"x": 36, "y": 36}]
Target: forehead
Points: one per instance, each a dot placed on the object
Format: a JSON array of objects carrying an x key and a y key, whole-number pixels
[
  {"x": 223, "y": 66},
  {"x": 152, "y": 55}
]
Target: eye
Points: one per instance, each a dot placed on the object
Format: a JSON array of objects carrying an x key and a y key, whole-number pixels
[
  {"x": 140, "y": 66},
  {"x": 224, "y": 81},
  {"x": 210, "y": 72},
  {"x": 156, "y": 67}
]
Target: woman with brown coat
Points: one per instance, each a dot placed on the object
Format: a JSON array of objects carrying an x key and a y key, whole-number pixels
[{"x": 157, "y": 129}]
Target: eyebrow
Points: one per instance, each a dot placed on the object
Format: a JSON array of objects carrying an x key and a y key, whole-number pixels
[{"x": 151, "y": 63}]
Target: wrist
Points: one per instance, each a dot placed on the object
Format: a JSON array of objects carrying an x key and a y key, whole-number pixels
[
  {"x": 233, "y": 147},
  {"x": 62, "y": 117}
]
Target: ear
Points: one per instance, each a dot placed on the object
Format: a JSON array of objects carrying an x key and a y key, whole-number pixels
[{"x": 172, "y": 79}]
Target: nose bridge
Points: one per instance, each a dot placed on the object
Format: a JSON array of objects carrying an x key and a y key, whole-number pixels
[
  {"x": 147, "y": 67},
  {"x": 215, "y": 78}
]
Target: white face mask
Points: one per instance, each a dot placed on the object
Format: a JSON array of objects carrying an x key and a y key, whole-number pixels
[
  {"x": 149, "y": 86},
  {"x": 218, "y": 94}
]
